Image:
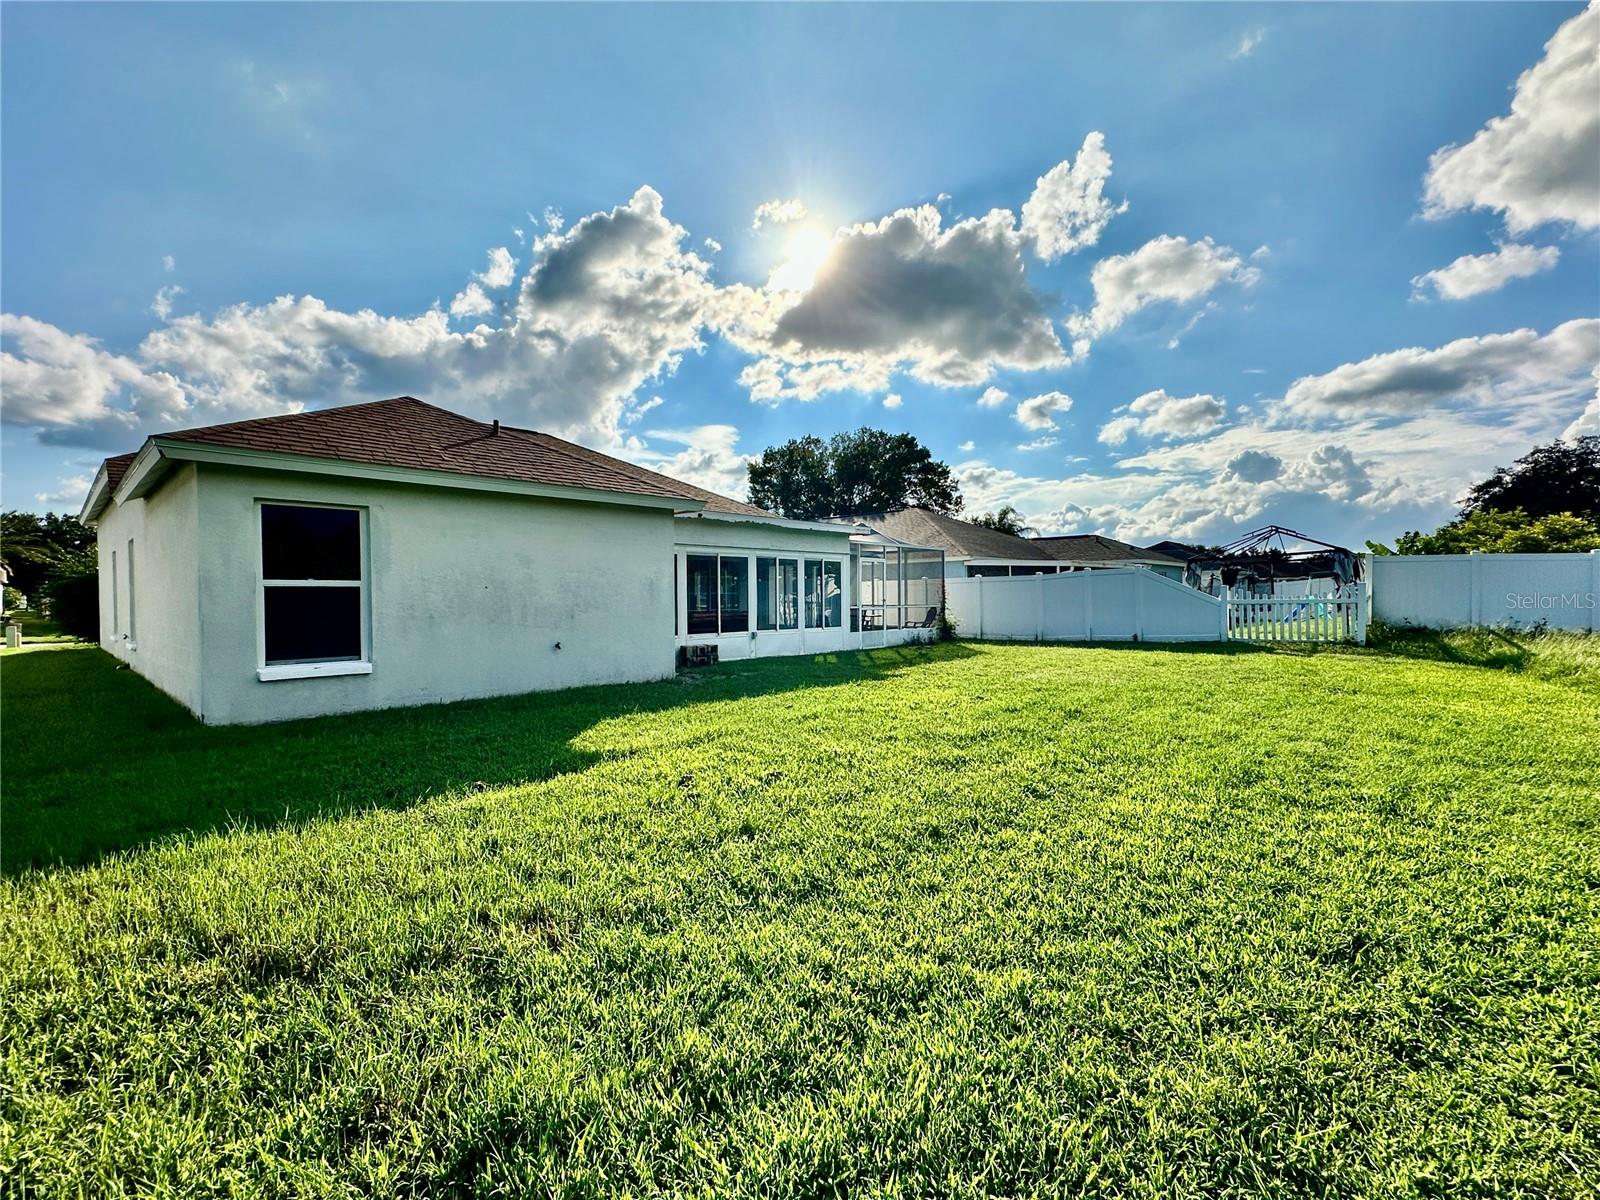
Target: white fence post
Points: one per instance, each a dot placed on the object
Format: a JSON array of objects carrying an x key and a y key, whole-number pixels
[
  {"x": 1475, "y": 582},
  {"x": 1222, "y": 615},
  {"x": 979, "y": 591},
  {"x": 1038, "y": 609},
  {"x": 1138, "y": 604},
  {"x": 1088, "y": 606},
  {"x": 1594, "y": 589}
]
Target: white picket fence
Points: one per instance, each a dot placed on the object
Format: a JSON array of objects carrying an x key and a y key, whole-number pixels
[
  {"x": 1340, "y": 617},
  {"x": 1446, "y": 591},
  {"x": 1131, "y": 604}
]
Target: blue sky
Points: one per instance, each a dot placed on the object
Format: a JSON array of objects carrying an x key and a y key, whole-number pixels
[{"x": 1148, "y": 271}]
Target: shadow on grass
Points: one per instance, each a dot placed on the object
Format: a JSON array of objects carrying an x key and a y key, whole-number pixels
[
  {"x": 96, "y": 760},
  {"x": 1214, "y": 649},
  {"x": 1477, "y": 647}
]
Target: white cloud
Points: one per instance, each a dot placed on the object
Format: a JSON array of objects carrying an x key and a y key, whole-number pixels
[
  {"x": 1164, "y": 270},
  {"x": 1038, "y": 443},
  {"x": 1248, "y": 41},
  {"x": 68, "y": 388},
  {"x": 967, "y": 447},
  {"x": 554, "y": 222},
  {"x": 1541, "y": 161},
  {"x": 1414, "y": 428},
  {"x": 1487, "y": 370},
  {"x": 993, "y": 397},
  {"x": 168, "y": 263},
  {"x": 1156, "y": 414},
  {"x": 1068, "y": 209},
  {"x": 635, "y": 412},
  {"x": 950, "y": 306},
  {"x": 892, "y": 400},
  {"x": 1252, "y": 466},
  {"x": 471, "y": 301},
  {"x": 713, "y": 245},
  {"x": 1176, "y": 339},
  {"x": 1039, "y": 412},
  {"x": 1586, "y": 423},
  {"x": 502, "y": 269},
  {"x": 68, "y": 495},
  {"x": 778, "y": 212},
  {"x": 520, "y": 234},
  {"x": 161, "y": 306},
  {"x": 609, "y": 304},
  {"x": 1473, "y": 274},
  {"x": 1331, "y": 470},
  {"x": 707, "y": 456}
]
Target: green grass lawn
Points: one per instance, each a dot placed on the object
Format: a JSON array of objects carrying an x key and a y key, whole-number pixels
[{"x": 968, "y": 920}]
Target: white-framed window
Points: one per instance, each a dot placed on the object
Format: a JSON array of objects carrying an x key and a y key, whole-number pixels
[
  {"x": 132, "y": 630},
  {"x": 312, "y": 596},
  {"x": 717, "y": 588}
]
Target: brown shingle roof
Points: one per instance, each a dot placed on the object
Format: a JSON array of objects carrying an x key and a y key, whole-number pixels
[
  {"x": 1094, "y": 547},
  {"x": 406, "y": 432},
  {"x": 116, "y": 467},
  {"x": 963, "y": 539}
]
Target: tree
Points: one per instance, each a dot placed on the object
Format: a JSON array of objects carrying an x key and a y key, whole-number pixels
[
  {"x": 1563, "y": 477},
  {"x": 1007, "y": 520},
  {"x": 865, "y": 471},
  {"x": 794, "y": 479},
  {"x": 37, "y": 549},
  {"x": 1514, "y": 532}
]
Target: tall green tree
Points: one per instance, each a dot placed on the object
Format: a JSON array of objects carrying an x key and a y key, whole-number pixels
[
  {"x": 865, "y": 471},
  {"x": 36, "y": 549},
  {"x": 794, "y": 479},
  {"x": 1563, "y": 477},
  {"x": 1006, "y": 520}
]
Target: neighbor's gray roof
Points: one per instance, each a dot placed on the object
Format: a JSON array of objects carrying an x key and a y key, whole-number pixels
[
  {"x": 1095, "y": 547},
  {"x": 961, "y": 539},
  {"x": 1176, "y": 549}
]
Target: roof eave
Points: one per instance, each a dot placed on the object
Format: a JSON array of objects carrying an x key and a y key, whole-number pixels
[
  {"x": 97, "y": 499},
  {"x": 780, "y": 522}
]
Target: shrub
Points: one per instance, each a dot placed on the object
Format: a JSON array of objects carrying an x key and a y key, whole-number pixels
[{"x": 74, "y": 604}]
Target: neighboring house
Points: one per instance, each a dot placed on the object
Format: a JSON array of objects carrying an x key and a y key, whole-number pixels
[
  {"x": 1179, "y": 550},
  {"x": 968, "y": 549},
  {"x": 398, "y": 553},
  {"x": 1093, "y": 551}
]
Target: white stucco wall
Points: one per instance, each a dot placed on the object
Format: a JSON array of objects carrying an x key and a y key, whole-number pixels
[
  {"x": 468, "y": 594},
  {"x": 163, "y": 641},
  {"x": 702, "y": 535}
]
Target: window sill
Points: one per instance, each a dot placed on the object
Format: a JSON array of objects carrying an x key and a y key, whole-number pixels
[{"x": 312, "y": 670}]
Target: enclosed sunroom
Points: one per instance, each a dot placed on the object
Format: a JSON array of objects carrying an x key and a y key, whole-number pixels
[{"x": 758, "y": 586}]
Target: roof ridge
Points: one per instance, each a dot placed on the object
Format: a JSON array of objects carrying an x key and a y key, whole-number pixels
[
  {"x": 304, "y": 412},
  {"x": 578, "y": 451}
]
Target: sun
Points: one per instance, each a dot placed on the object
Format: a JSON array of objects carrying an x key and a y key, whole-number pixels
[{"x": 804, "y": 255}]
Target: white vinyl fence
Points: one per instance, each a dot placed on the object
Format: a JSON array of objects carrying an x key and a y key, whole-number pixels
[
  {"x": 1126, "y": 604},
  {"x": 1445, "y": 591}
]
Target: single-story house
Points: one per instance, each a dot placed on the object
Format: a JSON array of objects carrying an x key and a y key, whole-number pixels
[
  {"x": 976, "y": 550},
  {"x": 397, "y": 553},
  {"x": 1178, "y": 550},
  {"x": 1094, "y": 551},
  {"x": 968, "y": 549}
]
